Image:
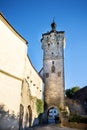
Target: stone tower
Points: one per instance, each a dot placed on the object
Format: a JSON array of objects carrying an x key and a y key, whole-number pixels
[{"x": 53, "y": 67}]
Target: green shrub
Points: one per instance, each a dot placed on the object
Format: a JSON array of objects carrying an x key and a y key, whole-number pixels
[
  {"x": 39, "y": 106},
  {"x": 74, "y": 118},
  {"x": 78, "y": 119}
]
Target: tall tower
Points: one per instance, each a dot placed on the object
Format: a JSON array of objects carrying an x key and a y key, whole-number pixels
[{"x": 53, "y": 67}]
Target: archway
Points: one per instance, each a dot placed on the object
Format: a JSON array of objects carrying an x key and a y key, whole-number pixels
[
  {"x": 30, "y": 115},
  {"x": 53, "y": 115}
]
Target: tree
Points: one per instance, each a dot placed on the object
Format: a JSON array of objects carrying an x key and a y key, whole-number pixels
[
  {"x": 75, "y": 89},
  {"x": 70, "y": 92}
]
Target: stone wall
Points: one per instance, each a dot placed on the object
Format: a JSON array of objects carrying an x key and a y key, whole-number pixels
[
  {"x": 53, "y": 67},
  {"x": 74, "y": 106},
  {"x": 81, "y": 97}
]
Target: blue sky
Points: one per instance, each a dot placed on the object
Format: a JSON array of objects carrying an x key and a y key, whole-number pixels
[{"x": 32, "y": 18}]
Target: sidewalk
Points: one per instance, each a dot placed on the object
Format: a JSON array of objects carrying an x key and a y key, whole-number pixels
[{"x": 52, "y": 127}]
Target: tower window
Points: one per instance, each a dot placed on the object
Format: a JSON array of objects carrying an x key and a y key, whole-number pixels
[
  {"x": 59, "y": 74},
  {"x": 47, "y": 39},
  {"x": 52, "y": 53},
  {"x": 52, "y": 62},
  {"x": 57, "y": 43},
  {"x": 47, "y": 75},
  {"x": 53, "y": 67},
  {"x": 48, "y": 45}
]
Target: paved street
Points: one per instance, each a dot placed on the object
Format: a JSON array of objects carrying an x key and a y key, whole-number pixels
[{"x": 52, "y": 127}]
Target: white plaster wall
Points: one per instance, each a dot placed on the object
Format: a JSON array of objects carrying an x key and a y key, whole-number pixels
[
  {"x": 10, "y": 93},
  {"x": 14, "y": 67},
  {"x": 12, "y": 52},
  {"x": 34, "y": 80}
]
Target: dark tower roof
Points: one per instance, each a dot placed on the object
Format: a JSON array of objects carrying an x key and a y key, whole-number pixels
[{"x": 53, "y": 25}]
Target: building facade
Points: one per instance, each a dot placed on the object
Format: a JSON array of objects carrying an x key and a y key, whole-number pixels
[
  {"x": 53, "y": 43},
  {"x": 20, "y": 84}
]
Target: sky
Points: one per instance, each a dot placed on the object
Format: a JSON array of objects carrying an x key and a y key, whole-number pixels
[{"x": 32, "y": 18}]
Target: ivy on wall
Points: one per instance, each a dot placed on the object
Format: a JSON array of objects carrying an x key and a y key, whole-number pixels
[{"x": 39, "y": 106}]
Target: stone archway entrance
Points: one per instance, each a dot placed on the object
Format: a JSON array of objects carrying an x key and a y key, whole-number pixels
[{"x": 52, "y": 115}]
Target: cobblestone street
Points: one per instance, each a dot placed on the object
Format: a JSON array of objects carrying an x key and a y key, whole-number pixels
[{"x": 52, "y": 127}]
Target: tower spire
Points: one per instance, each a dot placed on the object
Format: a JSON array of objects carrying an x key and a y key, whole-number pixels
[{"x": 53, "y": 25}]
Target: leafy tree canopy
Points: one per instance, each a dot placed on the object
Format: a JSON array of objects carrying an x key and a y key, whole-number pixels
[{"x": 70, "y": 92}]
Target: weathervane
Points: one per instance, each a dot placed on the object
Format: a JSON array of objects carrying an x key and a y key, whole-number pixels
[{"x": 53, "y": 19}]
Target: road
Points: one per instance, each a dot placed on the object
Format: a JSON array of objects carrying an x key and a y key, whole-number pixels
[{"x": 52, "y": 127}]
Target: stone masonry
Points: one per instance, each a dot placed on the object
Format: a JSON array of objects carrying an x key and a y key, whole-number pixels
[{"x": 53, "y": 67}]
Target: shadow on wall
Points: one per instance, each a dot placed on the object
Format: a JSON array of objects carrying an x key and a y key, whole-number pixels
[
  {"x": 11, "y": 122},
  {"x": 39, "y": 120},
  {"x": 8, "y": 121},
  {"x": 25, "y": 119}
]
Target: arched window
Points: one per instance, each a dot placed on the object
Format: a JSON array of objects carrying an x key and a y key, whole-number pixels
[{"x": 53, "y": 67}]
